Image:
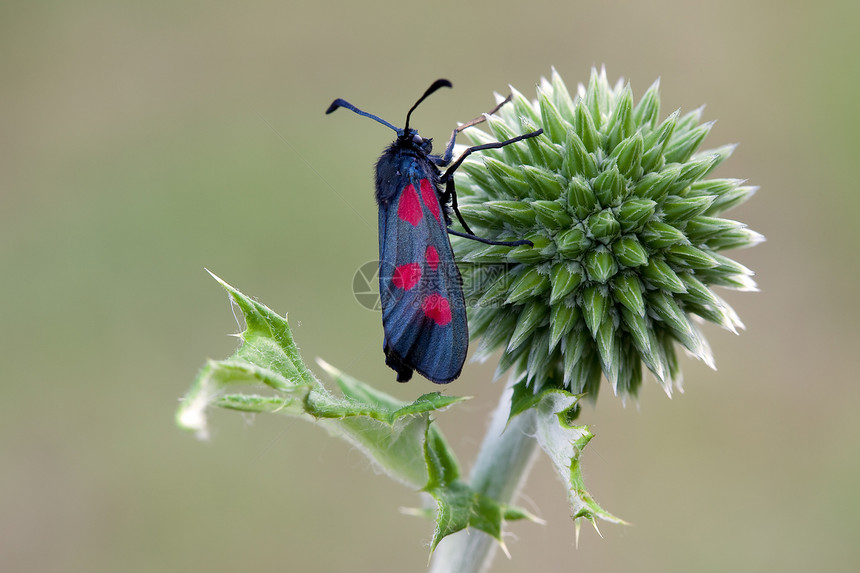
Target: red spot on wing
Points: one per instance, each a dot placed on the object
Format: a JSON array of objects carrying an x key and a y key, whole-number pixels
[
  {"x": 432, "y": 257},
  {"x": 437, "y": 308},
  {"x": 409, "y": 208},
  {"x": 406, "y": 276},
  {"x": 428, "y": 195}
]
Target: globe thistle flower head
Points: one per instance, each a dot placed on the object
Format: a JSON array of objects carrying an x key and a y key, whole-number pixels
[{"x": 627, "y": 238}]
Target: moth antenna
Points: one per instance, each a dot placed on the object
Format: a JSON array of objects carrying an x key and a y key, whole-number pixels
[
  {"x": 343, "y": 103},
  {"x": 440, "y": 83}
]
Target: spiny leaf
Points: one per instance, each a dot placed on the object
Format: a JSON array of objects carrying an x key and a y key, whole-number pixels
[{"x": 563, "y": 442}]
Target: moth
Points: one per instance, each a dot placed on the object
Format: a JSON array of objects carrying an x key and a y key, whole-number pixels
[{"x": 423, "y": 308}]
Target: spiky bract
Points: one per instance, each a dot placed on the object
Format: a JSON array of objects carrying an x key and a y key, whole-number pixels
[{"x": 626, "y": 230}]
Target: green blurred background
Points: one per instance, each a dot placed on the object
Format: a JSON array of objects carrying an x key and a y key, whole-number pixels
[{"x": 141, "y": 142}]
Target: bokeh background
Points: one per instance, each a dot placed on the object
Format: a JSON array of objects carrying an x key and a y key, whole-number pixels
[{"x": 141, "y": 142}]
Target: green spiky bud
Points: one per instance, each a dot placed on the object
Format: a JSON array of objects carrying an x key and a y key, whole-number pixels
[{"x": 626, "y": 230}]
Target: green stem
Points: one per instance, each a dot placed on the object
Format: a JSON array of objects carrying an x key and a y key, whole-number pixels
[{"x": 503, "y": 463}]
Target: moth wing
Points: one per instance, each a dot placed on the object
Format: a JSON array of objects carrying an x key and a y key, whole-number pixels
[{"x": 423, "y": 308}]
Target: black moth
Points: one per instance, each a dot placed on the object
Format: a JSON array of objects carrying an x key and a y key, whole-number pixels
[{"x": 423, "y": 309}]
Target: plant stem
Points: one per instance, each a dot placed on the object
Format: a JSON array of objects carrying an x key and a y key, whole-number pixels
[{"x": 503, "y": 463}]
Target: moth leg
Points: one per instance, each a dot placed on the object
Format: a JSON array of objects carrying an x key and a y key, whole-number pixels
[
  {"x": 445, "y": 159},
  {"x": 490, "y": 241},
  {"x": 451, "y": 191},
  {"x": 496, "y": 145},
  {"x": 451, "y": 195}
]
